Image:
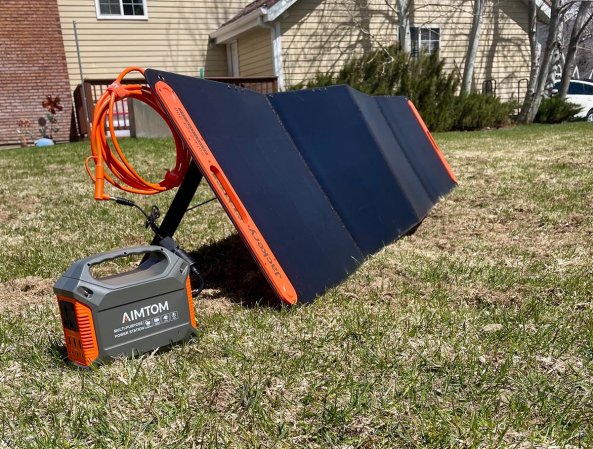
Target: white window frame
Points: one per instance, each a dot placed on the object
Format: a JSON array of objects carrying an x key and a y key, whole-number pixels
[
  {"x": 426, "y": 26},
  {"x": 121, "y": 16}
]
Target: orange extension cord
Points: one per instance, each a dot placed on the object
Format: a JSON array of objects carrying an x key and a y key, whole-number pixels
[{"x": 120, "y": 168}]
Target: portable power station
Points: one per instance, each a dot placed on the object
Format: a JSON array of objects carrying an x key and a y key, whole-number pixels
[{"x": 127, "y": 313}]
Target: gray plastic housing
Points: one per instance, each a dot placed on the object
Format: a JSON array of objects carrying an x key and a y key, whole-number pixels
[{"x": 136, "y": 311}]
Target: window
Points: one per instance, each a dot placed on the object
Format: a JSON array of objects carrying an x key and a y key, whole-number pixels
[
  {"x": 576, "y": 89},
  {"x": 121, "y": 9},
  {"x": 588, "y": 89},
  {"x": 425, "y": 39}
]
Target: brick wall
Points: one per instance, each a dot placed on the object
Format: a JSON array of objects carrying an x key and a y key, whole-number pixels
[{"x": 32, "y": 66}]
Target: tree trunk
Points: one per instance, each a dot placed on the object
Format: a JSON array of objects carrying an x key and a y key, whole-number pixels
[
  {"x": 535, "y": 62},
  {"x": 403, "y": 15},
  {"x": 551, "y": 44},
  {"x": 472, "y": 48},
  {"x": 584, "y": 16}
]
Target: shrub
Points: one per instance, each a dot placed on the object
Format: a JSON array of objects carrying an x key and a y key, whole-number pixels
[
  {"x": 319, "y": 80},
  {"x": 423, "y": 80},
  {"x": 556, "y": 110},
  {"x": 478, "y": 111},
  {"x": 391, "y": 71}
]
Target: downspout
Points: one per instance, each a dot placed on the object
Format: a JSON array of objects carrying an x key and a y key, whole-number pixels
[{"x": 276, "y": 35}]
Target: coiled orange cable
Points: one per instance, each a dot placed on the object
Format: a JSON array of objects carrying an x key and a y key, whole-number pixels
[{"x": 104, "y": 156}]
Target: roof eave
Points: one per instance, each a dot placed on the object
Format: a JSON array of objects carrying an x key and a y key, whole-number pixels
[
  {"x": 278, "y": 9},
  {"x": 229, "y": 32}
]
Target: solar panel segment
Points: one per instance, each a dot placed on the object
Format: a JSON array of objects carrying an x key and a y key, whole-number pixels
[{"x": 329, "y": 176}]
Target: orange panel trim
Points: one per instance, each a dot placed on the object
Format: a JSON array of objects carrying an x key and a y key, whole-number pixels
[
  {"x": 432, "y": 141},
  {"x": 227, "y": 195},
  {"x": 81, "y": 346}
]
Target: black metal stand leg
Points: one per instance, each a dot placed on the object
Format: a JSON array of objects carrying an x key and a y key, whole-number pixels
[{"x": 180, "y": 203}]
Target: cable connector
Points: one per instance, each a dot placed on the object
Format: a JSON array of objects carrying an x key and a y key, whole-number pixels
[
  {"x": 151, "y": 220},
  {"x": 123, "y": 201}
]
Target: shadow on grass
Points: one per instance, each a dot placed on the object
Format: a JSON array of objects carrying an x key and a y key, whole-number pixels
[
  {"x": 57, "y": 354},
  {"x": 229, "y": 269}
]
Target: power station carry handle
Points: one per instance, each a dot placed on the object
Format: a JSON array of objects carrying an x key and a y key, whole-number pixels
[{"x": 116, "y": 254}]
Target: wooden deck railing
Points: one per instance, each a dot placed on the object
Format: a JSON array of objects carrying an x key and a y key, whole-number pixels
[{"x": 94, "y": 88}]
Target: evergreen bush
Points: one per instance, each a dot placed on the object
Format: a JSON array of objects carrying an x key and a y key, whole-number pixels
[
  {"x": 556, "y": 110},
  {"x": 478, "y": 111},
  {"x": 423, "y": 80}
]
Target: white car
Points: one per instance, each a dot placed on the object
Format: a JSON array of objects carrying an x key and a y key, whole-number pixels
[{"x": 580, "y": 92}]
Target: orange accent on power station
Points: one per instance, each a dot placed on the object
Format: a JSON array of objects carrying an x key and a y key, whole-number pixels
[
  {"x": 190, "y": 302},
  {"x": 81, "y": 345},
  {"x": 227, "y": 195},
  {"x": 432, "y": 141}
]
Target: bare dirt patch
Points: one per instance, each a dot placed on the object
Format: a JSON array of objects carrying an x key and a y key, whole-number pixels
[
  {"x": 25, "y": 292},
  {"x": 213, "y": 305}
]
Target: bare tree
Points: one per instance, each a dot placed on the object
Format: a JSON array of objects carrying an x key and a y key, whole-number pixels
[
  {"x": 583, "y": 19},
  {"x": 552, "y": 43},
  {"x": 540, "y": 58},
  {"x": 403, "y": 16},
  {"x": 535, "y": 51},
  {"x": 472, "y": 48}
]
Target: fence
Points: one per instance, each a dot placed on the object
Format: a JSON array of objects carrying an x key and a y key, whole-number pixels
[{"x": 94, "y": 88}]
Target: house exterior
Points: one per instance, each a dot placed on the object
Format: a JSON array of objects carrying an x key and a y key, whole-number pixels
[
  {"x": 289, "y": 39},
  {"x": 296, "y": 38},
  {"x": 32, "y": 66},
  {"x": 39, "y": 55},
  {"x": 166, "y": 34}
]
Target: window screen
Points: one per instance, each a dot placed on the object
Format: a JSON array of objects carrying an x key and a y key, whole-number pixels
[
  {"x": 122, "y": 8},
  {"x": 109, "y": 7}
]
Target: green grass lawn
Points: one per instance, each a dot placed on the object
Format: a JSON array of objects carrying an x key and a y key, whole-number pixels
[{"x": 477, "y": 331}]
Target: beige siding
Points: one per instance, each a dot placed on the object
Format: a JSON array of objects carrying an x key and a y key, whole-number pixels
[
  {"x": 175, "y": 37},
  {"x": 255, "y": 53},
  {"x": 503, "y": 54},
  {"x": 320, "y": 35}
]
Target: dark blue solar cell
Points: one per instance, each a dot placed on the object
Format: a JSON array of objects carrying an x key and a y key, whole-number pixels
[
  {"x": 345, "y": 140},
  {"x": 417, "y": 147}
]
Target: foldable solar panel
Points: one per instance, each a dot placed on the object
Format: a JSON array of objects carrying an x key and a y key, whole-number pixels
[{"x": 314, "y": 180}]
